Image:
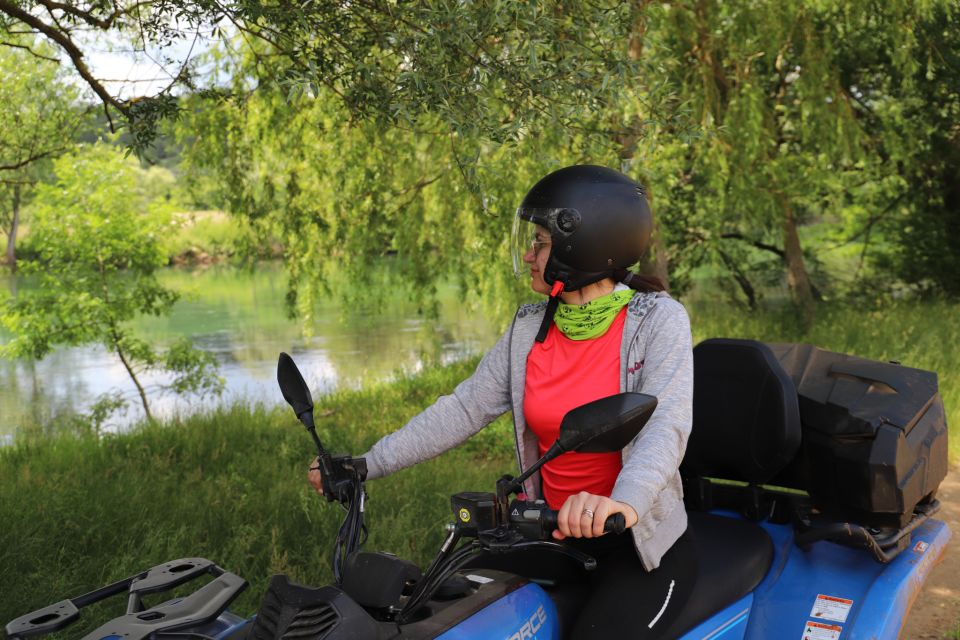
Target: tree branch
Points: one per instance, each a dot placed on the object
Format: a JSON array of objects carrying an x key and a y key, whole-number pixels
[
  {"x": 68, "y": 45},
  {"x": 756, "y": 243},
  {"x": 30, "y": 159},
  {"x": 868, "y": 226},
  {"x": 87, "y": 16},
  {"x": 32, "y": 52}
]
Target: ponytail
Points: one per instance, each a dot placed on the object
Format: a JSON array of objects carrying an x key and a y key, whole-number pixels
[{"x": 637, "y": 282}]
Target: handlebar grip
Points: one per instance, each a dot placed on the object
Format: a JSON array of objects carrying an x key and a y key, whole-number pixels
[{"x": 615, "y": 524}]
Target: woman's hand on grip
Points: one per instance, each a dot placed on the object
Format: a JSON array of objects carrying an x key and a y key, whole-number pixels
[
  {"x": 583, "y": 515},
  {"x": 313, "y": 476}
]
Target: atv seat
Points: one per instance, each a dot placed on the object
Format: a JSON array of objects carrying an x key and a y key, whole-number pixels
[
  {"x": 746, "y": 428},
  {"x": 733, "y": 558}
]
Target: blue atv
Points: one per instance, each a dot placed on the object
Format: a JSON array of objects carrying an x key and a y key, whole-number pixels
[{"x": 810, "y": 483}]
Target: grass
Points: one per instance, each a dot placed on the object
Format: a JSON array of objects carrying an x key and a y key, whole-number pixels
[
  {"x": 214, "y": 234},
  {"x": 230, "y": 486},
  {"x": 78, "y": 512}
]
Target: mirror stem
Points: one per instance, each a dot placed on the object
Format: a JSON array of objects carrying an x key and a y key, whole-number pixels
[
  {"x": 517, "y": 483},
  {"x": 307, "y": 419}
]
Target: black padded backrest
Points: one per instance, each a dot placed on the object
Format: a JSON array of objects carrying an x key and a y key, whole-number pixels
[{"x": 746, "y": 420}]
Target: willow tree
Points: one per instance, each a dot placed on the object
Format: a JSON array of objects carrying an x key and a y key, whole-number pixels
[
  {"x": 342, "y": 191},
  {"x": 907, "y": 95},
  {"x": 781, "y": 137}
]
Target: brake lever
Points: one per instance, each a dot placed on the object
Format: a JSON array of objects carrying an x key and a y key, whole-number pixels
[{"x": 589, "y": 562}]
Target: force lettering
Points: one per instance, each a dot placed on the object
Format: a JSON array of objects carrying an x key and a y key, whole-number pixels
[{"x": 530, "y": 627}]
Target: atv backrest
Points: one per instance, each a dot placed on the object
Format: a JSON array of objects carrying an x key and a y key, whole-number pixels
[{"x": 746, "y": 420}]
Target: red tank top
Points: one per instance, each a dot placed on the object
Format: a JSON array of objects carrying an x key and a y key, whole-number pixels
[{"x": 563, "y": 374}]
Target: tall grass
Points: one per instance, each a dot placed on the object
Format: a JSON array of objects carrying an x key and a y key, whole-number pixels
[{"x": 78, "y": 513}]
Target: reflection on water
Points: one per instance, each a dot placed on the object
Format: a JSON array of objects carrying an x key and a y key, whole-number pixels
[{"x": 239, "y": 317}]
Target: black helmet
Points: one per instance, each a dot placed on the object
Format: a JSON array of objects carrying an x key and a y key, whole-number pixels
[{"x": 599, "y": 223}]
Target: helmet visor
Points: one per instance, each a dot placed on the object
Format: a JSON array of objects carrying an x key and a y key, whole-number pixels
[
  {"x": 529, "y": 234},
  {"x": 522, "y": 237}
]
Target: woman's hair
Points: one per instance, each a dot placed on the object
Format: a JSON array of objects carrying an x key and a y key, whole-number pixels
[{"x": 637, "y": 282}]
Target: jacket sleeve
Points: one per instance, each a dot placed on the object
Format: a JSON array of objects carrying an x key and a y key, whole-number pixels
[
  {"x": 655, "y": 455},
  {"x": 450, "y": 420}
]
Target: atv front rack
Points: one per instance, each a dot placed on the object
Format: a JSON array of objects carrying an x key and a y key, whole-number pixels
[{"x": 200, "y": 607}]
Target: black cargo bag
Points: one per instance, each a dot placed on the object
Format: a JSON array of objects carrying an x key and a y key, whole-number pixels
[{"x": 874, "y": 441}]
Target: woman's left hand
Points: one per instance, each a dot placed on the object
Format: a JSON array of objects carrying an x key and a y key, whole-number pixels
[{"x": 583, "y": 515}]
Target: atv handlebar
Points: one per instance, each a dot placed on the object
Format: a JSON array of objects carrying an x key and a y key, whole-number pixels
[
  {"x": 487, "y": 516},
  {"x": 535, "y": 521}
]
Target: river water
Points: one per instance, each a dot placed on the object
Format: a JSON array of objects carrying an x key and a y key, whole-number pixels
[{"x": 239, "y": 316}]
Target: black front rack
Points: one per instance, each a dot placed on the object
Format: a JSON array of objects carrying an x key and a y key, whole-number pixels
[{"x": 200, "y": 607}]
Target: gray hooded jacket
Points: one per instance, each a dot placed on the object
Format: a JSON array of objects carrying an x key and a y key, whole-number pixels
[{"x": 655, "y": 358}]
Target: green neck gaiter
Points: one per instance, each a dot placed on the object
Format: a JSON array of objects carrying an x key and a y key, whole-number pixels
[{"x": 585, "y": 321}]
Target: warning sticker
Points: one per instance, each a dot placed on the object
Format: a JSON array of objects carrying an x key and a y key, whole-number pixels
[
  {"x": 820, "y": 631},
  {"x": 831, "y": 608},
  {"x": 920, "y": 547}
]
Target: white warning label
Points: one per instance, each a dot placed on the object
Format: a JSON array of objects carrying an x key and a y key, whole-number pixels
[
  {"x": 821, "y": 631},
  {"x": 831, "y": 608}
]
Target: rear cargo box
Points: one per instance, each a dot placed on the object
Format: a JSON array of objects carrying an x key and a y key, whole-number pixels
[{"x": 874, "y": 434}]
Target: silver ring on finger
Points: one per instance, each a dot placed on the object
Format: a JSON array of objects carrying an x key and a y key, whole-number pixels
[{"x": 588, "y": 513}]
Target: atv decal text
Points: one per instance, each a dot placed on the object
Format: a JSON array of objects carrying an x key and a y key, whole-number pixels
[{"x": 530, "y": 627}]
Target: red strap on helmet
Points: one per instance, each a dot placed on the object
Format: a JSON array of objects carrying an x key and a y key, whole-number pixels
[{"x": 550, "y": 310}]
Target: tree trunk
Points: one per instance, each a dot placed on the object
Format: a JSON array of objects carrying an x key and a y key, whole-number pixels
[
  {"x": 797, "y": 278},
  {"x": 655, "y": 262},
  {"x": 658, "y": 264},
  {"x": 136, "y": 383},
  {"x": 11, "y": 258}
]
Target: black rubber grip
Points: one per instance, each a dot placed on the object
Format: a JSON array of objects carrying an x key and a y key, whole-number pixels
[{"x": 615, "y": 524}]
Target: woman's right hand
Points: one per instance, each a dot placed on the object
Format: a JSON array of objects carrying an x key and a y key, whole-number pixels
[{"x": 313, "y": 476}]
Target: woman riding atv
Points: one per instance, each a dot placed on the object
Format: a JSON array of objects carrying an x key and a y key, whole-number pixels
[{"x": 602, "y": 330}]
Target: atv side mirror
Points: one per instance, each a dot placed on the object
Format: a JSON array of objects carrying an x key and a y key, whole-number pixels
[
  {"x": 601, "y": 426},
  {"x": 295, "y": 391},
  {"x": 607, "y": 424}
]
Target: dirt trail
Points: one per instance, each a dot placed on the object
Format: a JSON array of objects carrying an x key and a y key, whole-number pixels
[{"x": 936, "y": 612}]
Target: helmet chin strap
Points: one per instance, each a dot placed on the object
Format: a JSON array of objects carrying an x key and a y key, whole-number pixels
[{"x": 551, "y": 309}]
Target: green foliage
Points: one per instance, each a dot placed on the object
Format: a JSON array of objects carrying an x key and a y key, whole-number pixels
[
  {"x": 92, "y": 422},
  {"x": 817, "y": 110},
  {"x": 480, "y": 68},
  {"x": 746, "y": 120},
  {"x": 97, "y": 254},
  {"x": 747, "y": 124},
  {"x": 192, "y": 369},
  {"x": 230, "y": 486},
  {"x": 39, "y": 120},
  {"x": 205, "y": 236},
  {"x": 914, "y": 110},
  {"x": 339, "y": 194}
]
